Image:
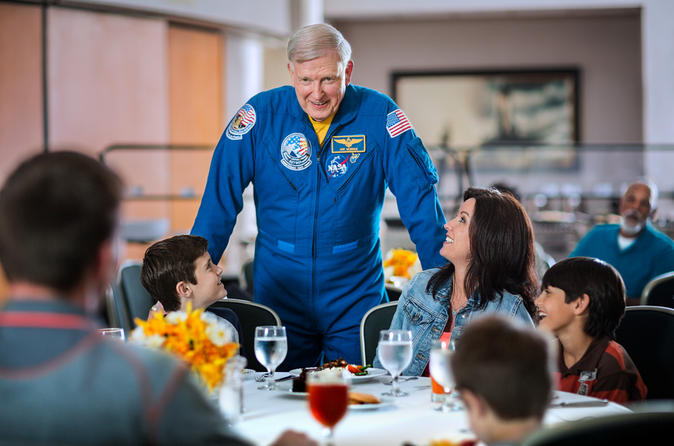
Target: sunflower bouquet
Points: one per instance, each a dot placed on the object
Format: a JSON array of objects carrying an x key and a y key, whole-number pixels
[
  {"x": 199, "y": 338},
  {"x": 401, "y": 263}
]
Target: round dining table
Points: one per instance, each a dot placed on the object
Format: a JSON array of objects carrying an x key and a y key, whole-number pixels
[{"x": 409, "y": 419}]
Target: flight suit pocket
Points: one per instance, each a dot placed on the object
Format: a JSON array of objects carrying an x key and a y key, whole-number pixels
[{"x": 423, "y": 160}]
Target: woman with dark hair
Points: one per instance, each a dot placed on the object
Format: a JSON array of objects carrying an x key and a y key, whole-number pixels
[{"x": 489, "y": 245}]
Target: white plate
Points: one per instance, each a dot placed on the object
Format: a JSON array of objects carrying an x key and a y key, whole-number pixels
[
  {"x": 383, "y": 402},
  {"x": 371, "y": 374}
]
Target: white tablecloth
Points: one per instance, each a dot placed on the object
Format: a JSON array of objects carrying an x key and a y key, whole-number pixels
[{"x": 411, "y": 418}]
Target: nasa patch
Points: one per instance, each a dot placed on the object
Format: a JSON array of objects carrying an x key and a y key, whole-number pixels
[
  {"x": 242, "y": 123},
  {"x": 338, "y": 165},
  {"x": 296, "y": 152}
]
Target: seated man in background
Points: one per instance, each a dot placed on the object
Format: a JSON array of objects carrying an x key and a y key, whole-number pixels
[
  {"x": 178, "y": 270},
  {"x": 61, "y": 382},
  {"x": 634, "y": 247},
  {"x": 582, "y": 303},
  {"x": 506, "y": 408}
]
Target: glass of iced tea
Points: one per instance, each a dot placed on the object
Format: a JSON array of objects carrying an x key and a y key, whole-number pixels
[{"x": 328, "y": 398}]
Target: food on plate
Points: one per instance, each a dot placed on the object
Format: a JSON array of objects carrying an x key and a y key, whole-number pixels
[
  {"x": 300, "y": 383},
  {"x": 357, "y": 370},
  {"x": 362, "y": 398}
]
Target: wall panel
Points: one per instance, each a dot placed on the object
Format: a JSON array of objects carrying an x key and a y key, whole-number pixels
[
  {"x": 196, "y": 113},
  {"x": 21, "y": 129}
]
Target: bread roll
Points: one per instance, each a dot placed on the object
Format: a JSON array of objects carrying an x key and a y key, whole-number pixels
[{"x": 362, "y": 398}]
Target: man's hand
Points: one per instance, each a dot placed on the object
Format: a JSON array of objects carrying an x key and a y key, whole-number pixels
[{"x": 294, "y": 438}]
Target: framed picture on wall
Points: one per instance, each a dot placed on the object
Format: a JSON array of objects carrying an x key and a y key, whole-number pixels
[{"x": 491, "y": 113}]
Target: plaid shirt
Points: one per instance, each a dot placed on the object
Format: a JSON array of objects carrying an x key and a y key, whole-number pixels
[{"x": 604, "y": 371}]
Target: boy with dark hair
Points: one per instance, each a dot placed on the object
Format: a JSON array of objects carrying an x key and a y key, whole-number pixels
[
  {"x": 582, "y": 303},
  {"x": 494, "y": 351},
  {"x": 178, "y": 270}
]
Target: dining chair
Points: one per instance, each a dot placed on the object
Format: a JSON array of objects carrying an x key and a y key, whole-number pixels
[
  {"x": 376, "y": 319},
  {"x": 646, "y": 332},
  {"x": 138, "y": 300},
  {"x": 659, "y": 291},
  {"x": 118, "y": 315},
  {"x": 628, "y": 428},
  {"x": 251, "y": 315}
]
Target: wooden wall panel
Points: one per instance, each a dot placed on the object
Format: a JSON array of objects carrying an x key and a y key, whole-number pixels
[
  {"x": 21, "y": 130},
  {"x": 196, "y": 113}
]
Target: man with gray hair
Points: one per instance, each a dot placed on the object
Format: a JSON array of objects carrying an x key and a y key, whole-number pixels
[
  {"x": 634, "y": 247},
  {"x": 320, "y": 155}
]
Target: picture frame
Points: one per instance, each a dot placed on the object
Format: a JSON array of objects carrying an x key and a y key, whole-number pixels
[{"x": 492, "y": 113}]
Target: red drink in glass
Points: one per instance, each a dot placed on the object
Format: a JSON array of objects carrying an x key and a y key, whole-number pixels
[{"x": 328, "y": 402}]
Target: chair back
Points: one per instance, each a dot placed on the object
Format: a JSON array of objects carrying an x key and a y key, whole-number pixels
[
  {"x": 118, "y": 314},
  {"x": 646, "y": 332},
  {"x": 251, "y": 315},
  {"x": 628, "y": 428},
  {"x": 138, "y": 300},
  {"x": 376, "y": 319},
  {"x": 659, "y": 291}
]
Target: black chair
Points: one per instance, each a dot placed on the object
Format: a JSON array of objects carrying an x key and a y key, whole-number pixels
[
  {"x": 250, "y": 315},
  {"x": 646, "y": 332},
  {"x": 376, "y": 319},
  {"x": 628, "y": 428},
  {"x": 138, "y": 300},
  {"x": 659, "y": 291}
]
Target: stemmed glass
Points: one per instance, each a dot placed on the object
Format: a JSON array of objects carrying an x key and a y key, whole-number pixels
[
  {"x": 271, "y": 347},
  {"x": 441, "y": 370},
  {"x": 395, "y": 353},
  {"x": 328, "y": 399},
  {"x": 112, "y": 333}
]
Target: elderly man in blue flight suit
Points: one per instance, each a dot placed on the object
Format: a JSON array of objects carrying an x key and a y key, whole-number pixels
[{"x": 320, "y": 155}]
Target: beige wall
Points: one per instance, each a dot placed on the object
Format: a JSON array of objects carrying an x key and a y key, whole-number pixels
[{"x": 605, "y": 48}]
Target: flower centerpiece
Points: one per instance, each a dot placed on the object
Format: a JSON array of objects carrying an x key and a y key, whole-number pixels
[
  {"x": 199, "y": 338},
  {"x": 401, "y": 263}
]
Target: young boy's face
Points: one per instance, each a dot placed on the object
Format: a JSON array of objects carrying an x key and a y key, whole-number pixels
[
  {"x": 555, "y": 314},
  {"x": 209, "y": 287}
]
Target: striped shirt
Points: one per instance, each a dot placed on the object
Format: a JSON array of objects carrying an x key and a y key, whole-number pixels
[{"x": 605, "y": 371}]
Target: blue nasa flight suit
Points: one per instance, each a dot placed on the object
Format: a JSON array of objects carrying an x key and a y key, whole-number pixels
[{"x": 318, "y": 260}]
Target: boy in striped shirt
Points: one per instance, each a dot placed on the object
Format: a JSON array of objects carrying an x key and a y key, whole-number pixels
[{"x": 582, "y": 302}]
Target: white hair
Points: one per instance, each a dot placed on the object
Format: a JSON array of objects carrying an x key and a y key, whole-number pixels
[{"x": 312, "y": 41}]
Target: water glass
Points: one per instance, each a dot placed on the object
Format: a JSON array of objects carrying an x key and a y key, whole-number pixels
[
  {"x": 230, "y": 398},
  {"x": 441, "y": 371},
  {"x": 395, "y": 353},
  {"x": 112, "y": 333},
  {"x": 271, "y": 348}
]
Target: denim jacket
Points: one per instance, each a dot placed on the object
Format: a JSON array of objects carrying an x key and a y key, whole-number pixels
[{"x": 426, "y": 317}]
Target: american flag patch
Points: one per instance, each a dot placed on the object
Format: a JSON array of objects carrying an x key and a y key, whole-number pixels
[
  {"x": 397, "y": 123},
  {"x": 247, "y": 115},
  {"x": 242, "y": 123}
]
